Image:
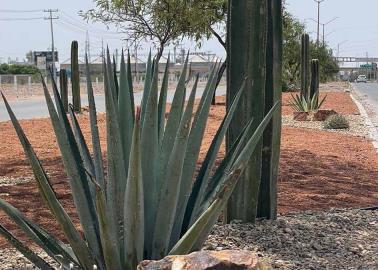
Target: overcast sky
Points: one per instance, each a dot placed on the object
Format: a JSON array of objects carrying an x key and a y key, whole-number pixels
[{"x": 356, "y": 27}]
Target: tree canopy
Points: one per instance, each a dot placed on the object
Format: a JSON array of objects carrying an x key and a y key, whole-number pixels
[
  {"x": 160, "y": 21},
  {"x": 17, "y": 69},
  {"x": 292, "y": 31}
]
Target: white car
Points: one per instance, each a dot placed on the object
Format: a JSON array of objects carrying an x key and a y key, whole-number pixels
[{"x": 361, "y": 78}]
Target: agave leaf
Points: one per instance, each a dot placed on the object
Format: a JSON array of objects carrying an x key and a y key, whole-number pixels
[
  {"x": 198, "y": 232},
  {"x": 149, "y": 152},
  {"x": 51, "y": 245},
  {"x": 110, "y": 244},
  {"x": 218, "y": 177},
  {"x": 117, "y": 177},
  {"x": 28, "y": 253},
  {"x": 115, "y": 78},
  {"x": 125, "y": 112},
  {"x": 322, "y": 101},
  {"x": 111, "y": 79},
  {"x": 191, "y": 157},
  {"x": 134, "y": 205},
  {"x": 202, "y": 181},
  {"x": 224, "y": 190},
  {"x": 241, "y": 155},
  {"x": 170, "y": 188},
  {"x": 97, "y": 154},
  {"x": 187, "y": 241},
  {"x": 82, "y": 189},
  {"x": 130, "y": 81},
  {"x": 163, "y": 101},
  {"x": 80, "y": 140},
  {"x": 147, "y": 86},
  {"x": 172, "y": 124},
  {"x": 73, "y": 236}
]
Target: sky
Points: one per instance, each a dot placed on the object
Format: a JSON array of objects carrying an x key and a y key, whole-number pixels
[{"x": 354, "y": 32}]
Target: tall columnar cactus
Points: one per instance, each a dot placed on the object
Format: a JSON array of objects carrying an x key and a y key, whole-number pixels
[
  {"x": 63, "y": 82},
  {"x": 246, "y": 48},
  {"x": 75, "y": 76},
  {"x": 314, "y": 86},
  {"x": 305, "y": 69},
  {"x": 272, "y": 135}
]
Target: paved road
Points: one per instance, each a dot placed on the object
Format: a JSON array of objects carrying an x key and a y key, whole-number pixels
[
  {"x": 36, "y": 108},
  {"x": 370, "y": 91},
  {"x": 368, "y": 94}
]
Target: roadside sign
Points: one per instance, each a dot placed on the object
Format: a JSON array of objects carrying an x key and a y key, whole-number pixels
[{"x": 41, "y": 62}]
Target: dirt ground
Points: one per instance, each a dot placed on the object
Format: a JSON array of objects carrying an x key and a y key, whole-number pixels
[{"x": 318, "y": 169}]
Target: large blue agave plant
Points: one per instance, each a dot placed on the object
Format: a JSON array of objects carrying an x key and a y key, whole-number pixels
[{"x": 146, "y": 205}]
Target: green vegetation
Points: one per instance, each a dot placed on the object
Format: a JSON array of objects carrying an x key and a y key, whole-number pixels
[
  {"x": 336, "y": 121},
  {"x": 301, "y": 104},
  {"x": 292, "y": 33},
  {"x": 145, "y": 205},
  {"x": 160, "y": 21},
  {"x": 18, "y": 69}
]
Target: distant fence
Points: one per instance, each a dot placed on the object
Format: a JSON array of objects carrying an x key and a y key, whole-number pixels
[{"x": 24, "y": 86}]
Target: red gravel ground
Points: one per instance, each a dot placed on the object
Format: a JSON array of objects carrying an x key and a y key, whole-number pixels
[{"x": 318, "y": 169}]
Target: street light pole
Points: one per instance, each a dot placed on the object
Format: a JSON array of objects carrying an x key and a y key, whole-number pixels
[
  {"x": 318, "y": 32},
  {"x": 51, "y": 18}
]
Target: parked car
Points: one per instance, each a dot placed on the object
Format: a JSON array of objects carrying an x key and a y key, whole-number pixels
[{"x": 361, "y": 78}]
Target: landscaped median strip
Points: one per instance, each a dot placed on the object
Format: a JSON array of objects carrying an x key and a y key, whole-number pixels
[{"x": 373, "y": 132}]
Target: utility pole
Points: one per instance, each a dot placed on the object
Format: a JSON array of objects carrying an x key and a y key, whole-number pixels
[
  {"x": 318, "y": 32},
  {"x": 51, "y": 18},
  {"x": 323, "y": 25},
  {"x": 87, "y": 47}
]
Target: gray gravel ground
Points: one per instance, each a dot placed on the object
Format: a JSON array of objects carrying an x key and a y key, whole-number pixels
[
  {"x": 11, "y": 181},
  {"x": 338, "y": 239},
  {"x": 356, "y": 122}
]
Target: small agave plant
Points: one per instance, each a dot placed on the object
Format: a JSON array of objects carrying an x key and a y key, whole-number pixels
[
  {"x": 301, "y": 104},
  {"x": 146, "y": 205}
]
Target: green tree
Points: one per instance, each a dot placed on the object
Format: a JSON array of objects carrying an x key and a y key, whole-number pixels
[
  {"x": 328, "y": 66},
  {"x": 292, "y": 31},
  {"x": 160, "y": 21},
  {"x": 17, "y": 69}
]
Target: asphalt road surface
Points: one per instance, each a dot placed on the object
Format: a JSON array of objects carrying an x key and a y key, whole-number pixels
[
  {"x": 369, "y": 93},
  {"x": 36, "y": 108},
  {"x": 369, "y": 90}
]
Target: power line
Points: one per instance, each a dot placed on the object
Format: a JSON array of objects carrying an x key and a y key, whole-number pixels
[
  {"x": 22, "y": 19},
  {"x": 20, "y": 11},
  {"x": 87, "y": 28}
]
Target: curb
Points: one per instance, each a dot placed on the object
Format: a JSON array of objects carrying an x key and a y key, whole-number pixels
[{"x": 373, "y": 133}]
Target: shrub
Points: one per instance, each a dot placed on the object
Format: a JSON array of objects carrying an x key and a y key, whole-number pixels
[{"x": 336, "y": 121}]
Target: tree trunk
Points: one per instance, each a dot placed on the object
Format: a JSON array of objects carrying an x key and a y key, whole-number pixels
[
  {"x": 219, "y": 78},
  {"x": 272, "y": 135},
  {"x": 246, "y": 49}
]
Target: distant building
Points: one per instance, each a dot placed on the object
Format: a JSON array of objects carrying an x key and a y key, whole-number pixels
[{"x": 43, "y": 59}]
